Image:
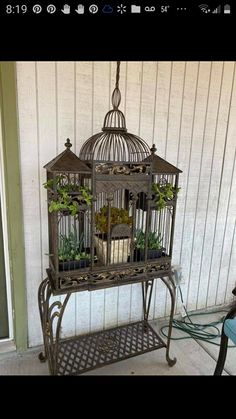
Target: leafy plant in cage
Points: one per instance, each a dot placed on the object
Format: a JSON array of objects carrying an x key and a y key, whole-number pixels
[
  {"x": 117, "y": 216},
  {"x": 70, "y": 247},
  {"x": 154, "y": 245},
  {"x": 163, "y": 193},
  {"x": 154, "y": 240},
  {"x": 68, "y": 195}
]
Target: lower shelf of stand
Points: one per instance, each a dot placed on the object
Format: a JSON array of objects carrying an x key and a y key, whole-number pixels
[{"x": 83, "y": 353}]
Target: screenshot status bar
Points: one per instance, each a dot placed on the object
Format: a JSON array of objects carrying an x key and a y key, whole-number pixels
[{"x": 149, "y": 8}]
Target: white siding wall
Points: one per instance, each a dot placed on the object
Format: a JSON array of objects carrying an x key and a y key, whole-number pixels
[{"x": 189, "y": 111}]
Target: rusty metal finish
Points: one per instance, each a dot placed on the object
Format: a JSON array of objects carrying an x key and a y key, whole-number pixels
[
  {"x": 114, "y": 169},
  {"x": 147, "y": 288},
  {"x": 85, "y": 353},
  {"x": 51, "y": 315},
  {"x": 106, "y": 226},
  {"x": 170, "y": 284},
  {"x": 104, "y": 279},
  {"x": 113, "y": 186}
]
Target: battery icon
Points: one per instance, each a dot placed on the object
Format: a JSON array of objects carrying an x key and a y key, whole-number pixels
[{"x": 227, "y": 9}]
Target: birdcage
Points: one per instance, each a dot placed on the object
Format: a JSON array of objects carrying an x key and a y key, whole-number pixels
[
  {"x": 111, "y": 211},
  {"x": 111, "y": 216}
]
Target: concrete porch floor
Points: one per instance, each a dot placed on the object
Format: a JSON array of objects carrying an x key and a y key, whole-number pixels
[{"x": 193, "y": 358}]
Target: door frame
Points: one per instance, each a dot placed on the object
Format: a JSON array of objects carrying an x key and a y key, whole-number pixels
[
  {"x": 3, "y": 216},
  {"x": 12, "y": 206}
]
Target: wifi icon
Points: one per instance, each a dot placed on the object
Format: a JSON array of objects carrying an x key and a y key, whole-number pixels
[{"x": 204, "y": 8}]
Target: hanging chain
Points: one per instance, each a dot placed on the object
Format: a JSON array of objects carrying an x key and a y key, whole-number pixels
[
  {"x": 117, "y": 74},
  {"x": 116, "y": 96}
]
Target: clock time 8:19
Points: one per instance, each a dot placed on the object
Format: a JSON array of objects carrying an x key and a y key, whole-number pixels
[{"x": 16, "y": 9}]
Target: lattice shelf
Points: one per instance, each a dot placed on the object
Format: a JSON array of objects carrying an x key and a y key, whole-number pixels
[{"x": 87, "y": 352}]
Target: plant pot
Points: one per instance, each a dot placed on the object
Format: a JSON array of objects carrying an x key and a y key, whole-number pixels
[
  {"x": 120, "y": 249},
  {"x": 71, "y": 265},
  {"x": 139, "y": 254}
]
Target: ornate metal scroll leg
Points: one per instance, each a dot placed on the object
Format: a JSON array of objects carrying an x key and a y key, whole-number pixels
[
  {"x": 147, "y": 296},
  {"x": 43, "y": 300},
  {"x": 48, "y": 313},
  {"x": 172, "y": 289},
  {"x": 224, "y": 344}
]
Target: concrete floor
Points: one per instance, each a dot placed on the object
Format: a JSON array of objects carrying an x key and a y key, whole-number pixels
[{"x": 193, "y": 358}]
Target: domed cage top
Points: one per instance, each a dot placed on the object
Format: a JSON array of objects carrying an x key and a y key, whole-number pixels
[
  {"x": 111, "y": 211},
  {"x": 114, "y": 143}
]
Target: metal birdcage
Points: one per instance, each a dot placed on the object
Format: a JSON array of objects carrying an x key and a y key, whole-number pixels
[
  {"x": 111, "y": 216},
  {"x": 111, "y": 210}
]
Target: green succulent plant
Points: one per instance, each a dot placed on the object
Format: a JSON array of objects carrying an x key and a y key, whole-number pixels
[
  {"x": 163, "y": 193},
  {"x": 154, "y": 240},
  {"x": 118, "y": 216},
  {"x": 68, "y": 196},
  {"x": 71, "y": 247}
]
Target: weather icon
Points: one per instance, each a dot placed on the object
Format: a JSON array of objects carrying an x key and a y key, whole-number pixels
[{"x": 107, "y": 9}]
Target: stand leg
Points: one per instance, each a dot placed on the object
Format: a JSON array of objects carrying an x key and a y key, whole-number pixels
[
  {"x": 48, "y": 313},
  {"x": 172, "y": 289},
  {"x": 147, "y": 296}
]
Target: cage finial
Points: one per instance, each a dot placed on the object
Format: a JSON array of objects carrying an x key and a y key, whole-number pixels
[
  {"x": 116, "y": 96},
  {"x": 68, "y": 144},
  {"x": 153, "y": 149}
]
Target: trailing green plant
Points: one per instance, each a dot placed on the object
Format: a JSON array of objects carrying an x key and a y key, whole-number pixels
[
  {"x": 71, "y": 247},
  {"x": 117, "y": 216},
  {"x": 67, "y": 196},
  {"x": 163, "y": 193},
  {"x": 154, "y": 240}
]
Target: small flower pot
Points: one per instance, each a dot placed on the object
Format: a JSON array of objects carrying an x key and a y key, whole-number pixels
[
  {"x": 139, "y": 254},
  {"x": 120, "y": 249},
  {"x": 71, "y": 265}
]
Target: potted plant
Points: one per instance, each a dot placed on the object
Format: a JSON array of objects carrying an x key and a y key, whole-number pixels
[
  {"x": 69, "y": 197},
  {"x": 120, "y": 231},
  {"x": 154, "y": 245},
  {"x": 71, "y": 252},
  {"x": 163, "y": 193}
]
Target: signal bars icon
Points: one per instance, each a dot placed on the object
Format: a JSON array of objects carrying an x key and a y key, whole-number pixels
[{"x": 217, "y": 10}]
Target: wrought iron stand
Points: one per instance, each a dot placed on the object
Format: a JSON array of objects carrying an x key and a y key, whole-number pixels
[{"x": 79, "y": 354}]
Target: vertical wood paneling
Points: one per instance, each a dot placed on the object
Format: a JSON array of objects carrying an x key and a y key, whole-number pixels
[
  {"x": 204, "y": 180},
  {"x": 196, "y": 243},
  {"x": 162, "y": 93},
  {"x": 208, "y": 266},
  {"x": 162, "y": 106},
  {"x": 173, "y": 129},
  {"x": 47, "y": 145},
  {"x": 228, "y": 184},
  {"x": 65, "y": 103},
  {"x": 84, "y": 102},
  {"x": 124, "y": 301},
  {"x": 148, "y": 99},
  {"x": 194, "y": 170},
  {"x": 189, "y": 111}
]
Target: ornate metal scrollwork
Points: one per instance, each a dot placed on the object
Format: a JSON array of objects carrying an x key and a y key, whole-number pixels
[
  {"x": 124, "y": 169},
  {"x": 51, "y": 330}
]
